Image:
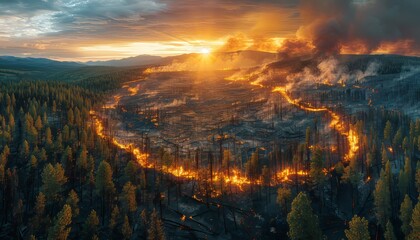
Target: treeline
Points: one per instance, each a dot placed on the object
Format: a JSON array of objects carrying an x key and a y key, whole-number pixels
[
  {"x": 58, "y": 179},
  {"x": 383, "y": 178}
]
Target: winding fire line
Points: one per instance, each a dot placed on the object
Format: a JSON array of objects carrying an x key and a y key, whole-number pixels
[
  {"x": 236, "y": 177},
  {"x": 336, "y": 122}
]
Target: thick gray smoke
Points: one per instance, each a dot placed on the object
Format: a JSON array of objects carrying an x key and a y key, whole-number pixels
[{"x": 362, "y": 26}]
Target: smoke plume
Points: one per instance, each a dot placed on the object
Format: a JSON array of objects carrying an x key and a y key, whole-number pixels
[{"x": 361, "y": 26}]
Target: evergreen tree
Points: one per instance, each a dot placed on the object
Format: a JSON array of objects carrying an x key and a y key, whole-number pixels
[
  {"x": 389, "y": 233},
  {"x": 61, "y": 229},
  {"x": 115, "y": 214},
  {"x": 104, "y": 185},
  {"x": 39, "y": 208},
  {"x": 129, "y": 197},
  {"x": 358, "y": 229},
  {"x": 303, "y": 223},
  {"x": 284, "y": 196},
  {"x": 415, "y": 223},
  {"x": 156, "y": 230},
  {"x": 52, "y": 180},
  {"x": 91, "y": 225},
  {"x": 382, "y": 200},
  {"x": 406, "y": 210},
  {"x": 73, "y": 202},
  {"x": 126, "y": 228},
  {"x": 316, "y": 165}
]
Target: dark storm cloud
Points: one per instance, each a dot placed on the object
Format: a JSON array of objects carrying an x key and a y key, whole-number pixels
[{"x": 368, "y": 24}]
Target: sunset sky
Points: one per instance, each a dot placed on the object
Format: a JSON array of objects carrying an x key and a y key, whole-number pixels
[
  {"x": 105, "y": 29},
  {"x": 85, "y": 30}
]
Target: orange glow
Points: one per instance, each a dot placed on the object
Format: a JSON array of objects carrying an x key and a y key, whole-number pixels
[
  {"x": 133, "y": 90},
  {"x": 236, "y": 177},
  {"x": 297, "y": 103},
  {"x": 336, "y": 122}
]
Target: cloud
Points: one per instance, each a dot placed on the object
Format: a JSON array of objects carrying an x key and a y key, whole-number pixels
[
  {"x": 104, "y": 22},
  {"x": 328, "y": 26}
]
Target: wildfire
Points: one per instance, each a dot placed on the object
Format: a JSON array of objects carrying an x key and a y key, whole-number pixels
[
  {"x": 113, "y": 104},
  {"x": 235, "y": 177},
  {"x": 336, "y": 122},
  {"x": 284, "y": 174},
  {"x": 297, "y": 103},
  {"x": 133, "y": 90}
]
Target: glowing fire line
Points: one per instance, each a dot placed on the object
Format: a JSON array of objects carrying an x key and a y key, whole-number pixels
[
  {"x": 236, "y": 176},
  {"x": 336, "y": 122}
]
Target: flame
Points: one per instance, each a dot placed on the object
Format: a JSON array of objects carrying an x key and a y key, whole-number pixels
[
  {"x": 236, "y": 177},
  {"x": 336, "y": 122},
  {"x": 133, "y": 90},
  {"x": 113, "y": 104},
  {"x": 284, "y": 174},
  {"x": 297, "y": 103}
]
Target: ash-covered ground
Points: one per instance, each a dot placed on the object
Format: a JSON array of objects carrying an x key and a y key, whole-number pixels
[{"x": 195, "y": 110}]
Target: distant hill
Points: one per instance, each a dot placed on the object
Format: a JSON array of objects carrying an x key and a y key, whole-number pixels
[
  {"x": 246, "y": 57},
  {"x": 128, "y": 62},
  {"x": 34, "y": 64},
  {"x": 15, "y": 68}
]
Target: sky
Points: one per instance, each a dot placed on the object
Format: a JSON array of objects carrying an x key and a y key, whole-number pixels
[
  {"x": 83, "y": 30},
  {"x": 107, "y": 29}
]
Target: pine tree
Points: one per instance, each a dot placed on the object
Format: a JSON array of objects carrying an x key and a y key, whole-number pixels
[
  {"x": 91, "y": 225},
  {"x": 52, "y": 180},
  {"x": 316, "y": 173},
  {"x": 38, "y": 219},
  {"x": 358, "y": 229},
  {"x": 406, "y": 211},
  {"x": 115, "y": 214},
  {"x": 303, "y": 223},
  {"x": 389, "y": 233},
  {"x": 129, "y": 197},
  {"x": 283, "y": 198},
  {"x": 415, "y": 223},
  {"x": 397, "y": 141},
  {"x": 104, "y": 185},
  {"x": 73, "y": 202},
  {"x": 126, "y": 228},
  {"x": 382, "y": 200},
  {"x": 156, "y": 230},
  {"x": 60, "y": 230}
]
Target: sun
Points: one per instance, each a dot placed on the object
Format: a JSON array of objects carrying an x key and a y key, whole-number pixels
[{"x": 205, "y": 51}]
